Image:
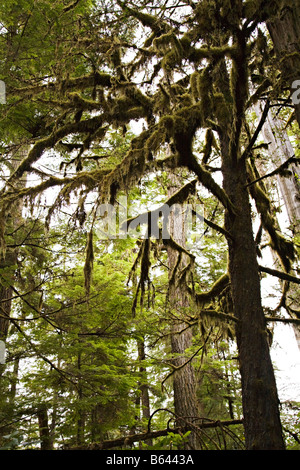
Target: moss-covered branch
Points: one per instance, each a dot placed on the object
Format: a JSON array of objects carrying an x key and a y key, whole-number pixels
[
  {"x": 209, "y": 183},
  {"x": 69, "y": 84},
  {"x": 283, "y": 247},
  {"x": 215, "y": 291},
  {"x": 282, "y": 170},
  {"x": 130, "y": 439}
]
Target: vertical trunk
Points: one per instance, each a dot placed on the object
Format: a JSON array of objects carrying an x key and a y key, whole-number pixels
[
  {"x": 261, "y": 417},
  {"x": 81, "y": 415},
  {"x": 144, "y": 399},
  {"x": 259, "y": 392},
  {"x": 54, "y": 417},
  {"x": 229, "y": 390},
  {"x": 280, "y": 149},
  {"x": 8, "y": 261},
  {"x": 285, "y": 34},
  {"x": 184, "y": 383},
  {"x": 44, "y": 431},
  {"x": 14, "y": 380},
  {"x": 7, "y": 264}
]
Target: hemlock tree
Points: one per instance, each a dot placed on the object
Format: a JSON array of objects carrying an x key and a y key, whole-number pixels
[
  {"x": 73, "y": 72},
  {"x": 184, "y": 381}
]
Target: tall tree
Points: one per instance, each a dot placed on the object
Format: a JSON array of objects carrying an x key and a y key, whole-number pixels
[
  {"x": 282, "y": 156},
  {"x": 284, "y": 28},
  {"x": 184, "y": 381}
]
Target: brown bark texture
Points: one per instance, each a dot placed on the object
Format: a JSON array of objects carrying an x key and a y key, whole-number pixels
[
  {"x": 284, "y": 30},
  {"x": 184, "y": 382},
  {"x": 44, "y": 431},
  {"x": 259, "y": 392}
]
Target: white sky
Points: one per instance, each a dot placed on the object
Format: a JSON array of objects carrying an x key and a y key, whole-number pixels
[{"x": 286, "y": 359}]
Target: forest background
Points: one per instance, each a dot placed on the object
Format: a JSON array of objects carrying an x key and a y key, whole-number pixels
[{"x": 142, "y": 342}]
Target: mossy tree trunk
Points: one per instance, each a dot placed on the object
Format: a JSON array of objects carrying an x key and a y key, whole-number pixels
[
  {"x": 44, "y": 430},
  {"x": 8, "y": 265},
  {"x": 262, "y": 423},
  {"x": 259, "y": 392},
  {"x": 285, "y": 34},
  {"x": 280, "y": 150},
  {"x": 8, "y": 258},
  {"x": 184, "y": 382},
  {"x": 144, "y": 387}
]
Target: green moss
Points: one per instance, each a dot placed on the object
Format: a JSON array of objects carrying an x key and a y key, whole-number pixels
[
  {"x": 284, "y": 248},
  {"x": 194, "y": 85},
  {"x": 221, "y": 109}
]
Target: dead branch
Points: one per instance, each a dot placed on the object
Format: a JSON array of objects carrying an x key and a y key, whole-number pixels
[{"x": 129, "y": 440}]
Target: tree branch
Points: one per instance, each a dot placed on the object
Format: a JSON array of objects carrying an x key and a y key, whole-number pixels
[
  {"x": 279, "y": 274},
  {"x": 129, "y": 440},
  {"x": 257, "y": 131},
  {"x": 280, "y": 170}
]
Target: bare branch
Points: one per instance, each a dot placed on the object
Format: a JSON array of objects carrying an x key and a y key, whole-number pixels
[{"x": 279, "y": 274}]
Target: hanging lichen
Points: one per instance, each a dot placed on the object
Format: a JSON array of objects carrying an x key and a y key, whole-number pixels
[{"x": 283, "y": 247}]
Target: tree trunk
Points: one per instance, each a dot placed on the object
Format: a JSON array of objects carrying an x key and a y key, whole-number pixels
[
  {"x": 81, "y": 414},
  {"x": 285, "y": 34},
  {"x": 144, "y": 388},
  {"x": 8, "y": 263},
  {"x": 45, "y": 437},
  {"x": 184, "y": 383},
  {"x": 259, "y": 392},
  {"x": 280, "y": 150},
  {"x": 7, "y": 267},
  {"x": 9, "y": 259}
]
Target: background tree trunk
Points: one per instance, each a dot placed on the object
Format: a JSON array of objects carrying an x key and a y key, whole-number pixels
[
  {"x": 81, "y": 414},
  {"x": 184, "y": 383},
  {"x": 144, "y": 398},
  {"x": 8, "y": 260},
  {"x": 280, "y": 150},
  {"x": 45, "y": 437},
  {"x": 285, "y": 34}
]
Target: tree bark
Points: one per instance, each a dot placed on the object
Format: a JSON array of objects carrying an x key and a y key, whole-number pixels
[
  {"x": 144, "y": 388},
  {"x": 9, "y": 259},
  {"x": 285, "y": 33},
  {"x": 184, "y": 383},
  {"x": 259, "y": 392},
  {"x": 44, "y": 431},
  {"x": 280, "y": 150},
  {"x": 8, "y": 262},
  {"x": 81, "y": 414}
]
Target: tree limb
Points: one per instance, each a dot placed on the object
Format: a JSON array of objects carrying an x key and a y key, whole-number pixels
[
  {"x": 257, "y": 131},
  {"x": 278, "y": 170},
  {"x": 279, "y": 274},
  {"x": 295, "y": 321},
  {"x": 129, "y": 440}
]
